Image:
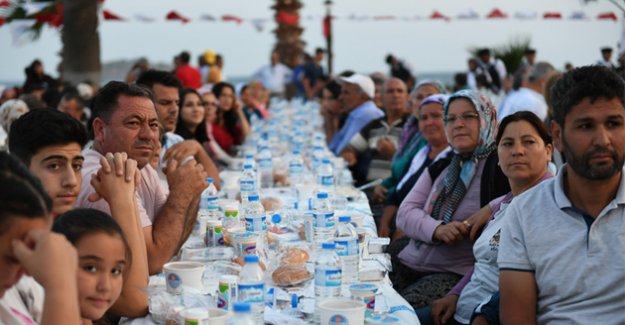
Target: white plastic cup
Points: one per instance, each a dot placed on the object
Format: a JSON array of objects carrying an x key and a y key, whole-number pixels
[
  {"x": 217, "y": 316},
  {"x": 244, "y": 243},
  {"x": 179, "y": 274},
  {"x": 364, "y": 292},
  {"x": 342, "y": 311},
  {"x": 214, "y": 236}
]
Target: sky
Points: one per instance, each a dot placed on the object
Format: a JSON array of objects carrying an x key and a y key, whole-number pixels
[{"x": 429, "y": 46}]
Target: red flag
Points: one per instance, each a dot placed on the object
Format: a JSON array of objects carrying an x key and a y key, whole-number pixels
[
  {"x": 496, "y": 13},
  {"x": 173, "y": 15},
  {"x": 607, "y": 15},
  {"x": 2, "y": 20},
  {"x": 326, "y": 26},
  {"x": 437, "y": 15},
  {"x": 5, "y": 3},
  {"x": 110, "y": 16},
  {"x": 236, "y": 19},
  {"x": 552, "y": 15},
  {"x": 286, "y": 18}
]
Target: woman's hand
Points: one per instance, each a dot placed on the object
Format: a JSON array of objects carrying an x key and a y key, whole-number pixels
[{"x": 451, "y": 233}]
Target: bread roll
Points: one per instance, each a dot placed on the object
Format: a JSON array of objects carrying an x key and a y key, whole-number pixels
[
  {"x": 294, "y": 255},
  {"x": 288, "y": 275}
]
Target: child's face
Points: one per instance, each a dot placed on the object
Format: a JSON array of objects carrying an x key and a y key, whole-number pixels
[
  {"x": 10, "y": 267},
  {"x": 102, "y": 258}
]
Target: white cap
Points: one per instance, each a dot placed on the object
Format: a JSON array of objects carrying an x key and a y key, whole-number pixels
[{"x": 364, "y": 82}]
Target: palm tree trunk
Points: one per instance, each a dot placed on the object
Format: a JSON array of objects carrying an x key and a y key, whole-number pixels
[{"x": 81, "y": 42}]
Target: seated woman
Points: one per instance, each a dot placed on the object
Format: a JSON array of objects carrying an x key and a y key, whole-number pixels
[
  {"x": 524, "y": 149},
  {"x": 103, "y": 258},
  {"x": 27, "y": 246},
  {"x": 231, "y": 126},
  {"x": 215, "y": 151},
  {"x": 430, "y": 117},
  {"x": 191, "y": 116},
  {"x": 432, "y": 214}
]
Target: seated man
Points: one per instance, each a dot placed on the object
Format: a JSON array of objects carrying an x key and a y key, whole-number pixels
[
  {"x": 561, "y": 253},
  {"x": 370, "y": 151},
  {"x": 356, "y": 97},
  {"x": 125, "y": 121},
  {"x": 165, "y": 88}
]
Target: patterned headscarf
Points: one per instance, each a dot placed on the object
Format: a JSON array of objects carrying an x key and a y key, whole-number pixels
[
  {"x": 10, "y": 111},
  {"x": 461, "y": 170}
]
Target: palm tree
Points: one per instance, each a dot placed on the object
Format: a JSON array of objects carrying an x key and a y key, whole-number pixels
[{"x": 81, "y": 42}]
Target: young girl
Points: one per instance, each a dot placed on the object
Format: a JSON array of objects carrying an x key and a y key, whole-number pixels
[
  {"x": 103, "y": 255},
  {"x": 26, "y": 245}
]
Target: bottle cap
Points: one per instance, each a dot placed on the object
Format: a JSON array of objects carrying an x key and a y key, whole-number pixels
[
  {"x": 294, "y": 301},
  {"x": 249, "y": 156},
  {"x": 276, "y": 218},
  {"x": 325, "y": 160},
  {"x": 327, "y": 246},
  {"x": 242, "y": 307},
  {"x": 246, "y": 166},
  {"x": 250, "y": 259},
  {"x": 322, "y": 195},
  {"x": 253, "y": 197},
  {"x": 209, "y": 179},
  {"x": 296, "y": 152},
  {"x": 345, "y": 219}
]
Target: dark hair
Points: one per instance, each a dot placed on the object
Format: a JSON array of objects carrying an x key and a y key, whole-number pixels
[
  {"x": 200, "y": 133},
  {"x": 151, "y": 77},
  {"x": 591, "y": 82},
  {"x": 185, "y": 57},
  {"x": 21, "y": 193},
  {"x": 73, "y": 95},
  {"x": 389, "y": 58},
  {"x": 43, "y": 128},
  {"x": 78, "y": 223},
  {"x": 105, "y": 102},
  {"x": 528, "y": 117},
  {"x": 229, "y": 118},
  {"x": 319, "y": 50},
  {"x": 334, "y": 88}
]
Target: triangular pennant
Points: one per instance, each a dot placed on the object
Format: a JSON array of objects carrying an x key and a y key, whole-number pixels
[
  {"x": 233, "y": 18},
  {"x": 496, "y": 13},
  {"x": 437, "y": 15},
  {"x": 468, "y": 14},
  {"x": 259, "y": 24},
  {"x": 385, "y": 17},
  {"x": 144, "y": 18},
  {"x": 607, "y": 16},
  {"x": 526, "y": 15},
  {"x": 578, "y": 15},
  {"x": 110, "y": 16},
  {"x": 208, "y": 17},
  {"x": 173, "y": 15},
  {"x": 552, "y": 15}
]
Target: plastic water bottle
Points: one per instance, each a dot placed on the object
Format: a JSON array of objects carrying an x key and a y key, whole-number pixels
[
  {"x": 242, "y": 314},
  {"x": 323, "y": 215},
  {"x": 346, "y": 240},
  {"x": 327, "y": 273},
  {"x": 254, "y": 214},
  {"x": 317, "y": 156},
  {"x": 248, "y": 182},
  {"x": 296, "y": 168},
  {"x": 265, "y": 167},
  {"x": 252, "y": 288},
  {"x": 208, "y": 201},
  {"x": 325, "y": 174}
]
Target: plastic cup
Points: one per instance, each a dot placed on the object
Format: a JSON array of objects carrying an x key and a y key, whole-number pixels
[
  {"x": 364, "y": 292},
  {"x": 342, "y": 311},
  {"x": 179, "y": 274},
  {"x": 217, "y": 316},
  {"x": 244, "y": 243},
  {"x": 227, "y": 291},
  {"x": 214, "y": 236}
]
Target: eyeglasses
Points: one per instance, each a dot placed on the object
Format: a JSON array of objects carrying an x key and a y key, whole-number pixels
[{"x": 464, "y": 117}]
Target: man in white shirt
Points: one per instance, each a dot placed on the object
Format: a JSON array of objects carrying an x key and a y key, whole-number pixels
[
  {"x": 530, "y": 96},
  {"x": 274, "y": 76}
]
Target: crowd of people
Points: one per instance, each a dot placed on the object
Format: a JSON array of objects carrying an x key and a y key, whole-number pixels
[{"x": 502, "y": 194}]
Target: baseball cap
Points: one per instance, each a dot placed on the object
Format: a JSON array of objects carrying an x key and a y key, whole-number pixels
[{"x": 364, "y": 82}]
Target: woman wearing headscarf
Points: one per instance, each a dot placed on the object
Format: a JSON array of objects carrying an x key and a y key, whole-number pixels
[{"x": 433, "y": 213}]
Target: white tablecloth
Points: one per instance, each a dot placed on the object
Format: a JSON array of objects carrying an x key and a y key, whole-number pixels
[{"x": 399, "y": 307}]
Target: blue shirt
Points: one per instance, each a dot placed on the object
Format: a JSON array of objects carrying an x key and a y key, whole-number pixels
[{"x": 356, "y": 120}]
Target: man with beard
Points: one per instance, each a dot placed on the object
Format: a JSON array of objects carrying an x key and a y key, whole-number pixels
[
  {"x": 562, "y": 249},
  {"x": 125, "y": 121}
]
